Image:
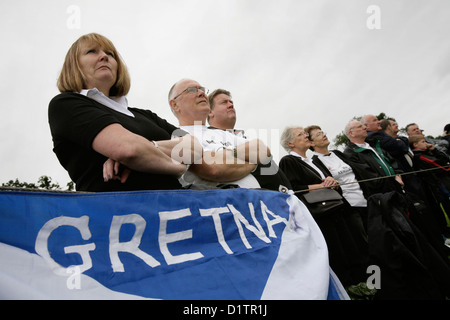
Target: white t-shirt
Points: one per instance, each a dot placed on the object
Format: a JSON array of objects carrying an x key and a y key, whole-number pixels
[
  {"x": 214, "y": 140},
  {"x": 343, "y": 173}
]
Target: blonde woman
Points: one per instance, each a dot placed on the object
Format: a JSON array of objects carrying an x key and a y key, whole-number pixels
[{"x": 92, "y": 125}]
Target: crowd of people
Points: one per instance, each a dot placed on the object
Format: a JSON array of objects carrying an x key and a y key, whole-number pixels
[
  {"x": 105, "y": 145},
  {"x": 376, "y": 162}
]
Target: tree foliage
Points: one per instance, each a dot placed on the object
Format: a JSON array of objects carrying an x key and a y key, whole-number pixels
[
  {"x": 44, "y": 182},
  {"x": 340, "y": 140}
]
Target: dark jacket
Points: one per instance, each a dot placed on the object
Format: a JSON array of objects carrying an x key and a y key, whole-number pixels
[
  {"x": 435, "y": 184},
  {"x": 447, "y": 138},
  {"x": 398, "y": 148},
  {"x": 394, "y": 147},
  {"x": 411, "y": 268},
  {"x": 341, "y": 226},
  {"x": 433, "y": 159},
  {"x": 300, "y": 174},
  {"x": 378, "y": 169}
]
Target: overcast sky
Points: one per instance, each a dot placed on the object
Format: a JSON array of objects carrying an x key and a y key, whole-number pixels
[{"x": 286, "y": 62}]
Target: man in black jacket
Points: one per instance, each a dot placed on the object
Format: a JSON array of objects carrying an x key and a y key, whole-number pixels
[
  {"x": 396, "y": 148},
  {"x": 362, "y": 149}
]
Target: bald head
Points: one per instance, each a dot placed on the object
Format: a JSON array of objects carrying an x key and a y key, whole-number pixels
[
  {"x": 189, "y": 102},
  {"x": 371, "y": 122}
]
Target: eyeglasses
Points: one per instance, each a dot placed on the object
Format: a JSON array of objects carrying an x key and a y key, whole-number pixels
[
  {"x": 192, "y": 90},
  {"x": 303, "y": 133},
  {"x": 319, "y": 134},
  {"x": 357, "y": 127}
]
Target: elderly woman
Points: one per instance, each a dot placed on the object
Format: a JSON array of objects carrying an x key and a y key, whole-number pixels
[
  {"x": 90, "y": 122},
  {"x": 341, "y": 169},
  {"x": 303, "y": 172},
  {"x": 346, "y": 240}
]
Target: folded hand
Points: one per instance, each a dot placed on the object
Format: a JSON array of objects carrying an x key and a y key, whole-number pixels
[{"x": 113, "y": 170}]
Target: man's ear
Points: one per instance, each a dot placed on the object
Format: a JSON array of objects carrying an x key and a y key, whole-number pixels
[
  {"x": 174, "y": 106},
  {"x": 211, "y": 114},
  {"x": 350, "y": 133}
]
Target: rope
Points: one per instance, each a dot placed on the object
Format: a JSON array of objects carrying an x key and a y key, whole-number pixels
[
  {"x": 283, "y": 189},
  {"x": 377, "y": 178}
]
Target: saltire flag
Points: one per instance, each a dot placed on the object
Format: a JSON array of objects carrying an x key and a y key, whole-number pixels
[{"x": 234, "y": 244}]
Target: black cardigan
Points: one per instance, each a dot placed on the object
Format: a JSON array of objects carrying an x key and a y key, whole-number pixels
[
  {"x": 301, "y": 174},
  {"x": 75, "y": 120}
]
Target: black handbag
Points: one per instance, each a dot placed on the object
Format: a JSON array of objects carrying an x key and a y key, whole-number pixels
[{"x": 322, "y": 201}]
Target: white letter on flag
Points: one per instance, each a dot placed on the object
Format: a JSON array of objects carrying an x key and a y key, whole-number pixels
[
  {"x": 41, "y": 245},
  {"x": 131, "y": 246},
  {"x": 215, "y": 214},
  {"x": 165, "y": 238}
]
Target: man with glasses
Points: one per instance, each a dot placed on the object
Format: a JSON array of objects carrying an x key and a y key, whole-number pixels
[
  {"x": 395, "y": 147},
  {"x": 227, "y": 158},
  {"x": 370, "y": 152}
]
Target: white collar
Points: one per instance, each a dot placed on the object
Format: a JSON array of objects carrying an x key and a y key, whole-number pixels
[
  {"x": 119, "y": 104},
  {"x": 363, "y": 145},
  {"x": 297, "y": 155},
  {"x": 308, "y": 161}
]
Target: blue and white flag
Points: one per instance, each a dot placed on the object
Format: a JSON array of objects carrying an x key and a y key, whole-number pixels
[{"x": 178, "y": 245}]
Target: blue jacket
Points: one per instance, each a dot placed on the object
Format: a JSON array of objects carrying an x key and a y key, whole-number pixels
[{"x": 395, "y": 147}]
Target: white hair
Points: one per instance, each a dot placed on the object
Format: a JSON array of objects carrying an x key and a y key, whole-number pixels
[
  {"x": 288, "y": 136},
  {"x": 349, "y": 127}
]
